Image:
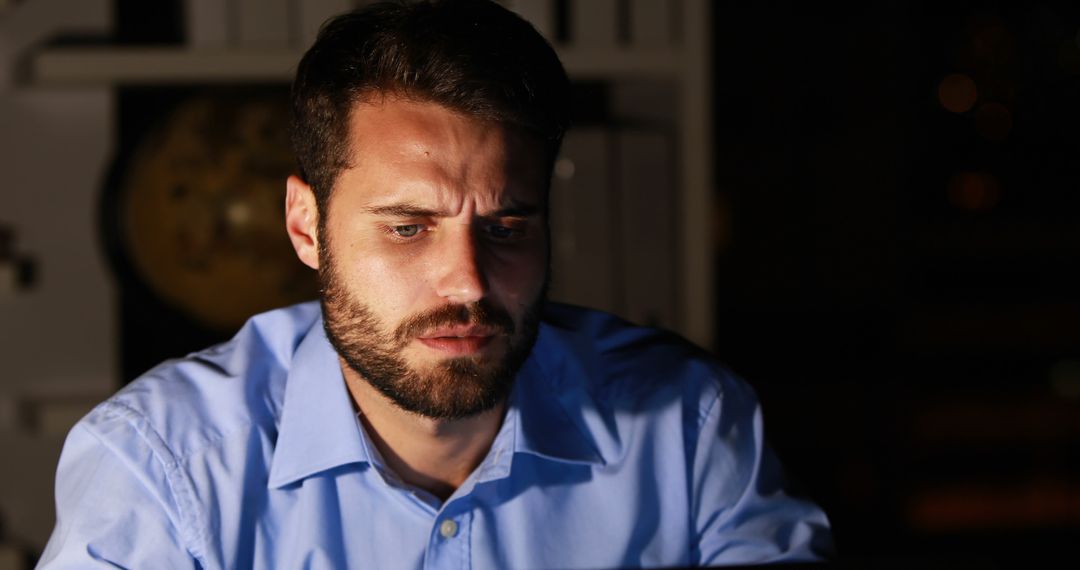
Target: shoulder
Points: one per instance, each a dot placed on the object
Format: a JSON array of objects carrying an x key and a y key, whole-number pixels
[
  {"x": 633, "y": 375},
  {"x": 191, "y": 402},
  {"x": 612, "y": 353},
  {"x": 647, "y": 397},
  {"x": 135, "y": 470}
]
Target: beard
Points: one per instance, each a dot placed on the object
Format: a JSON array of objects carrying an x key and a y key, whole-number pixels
[{"x": 453, "y": 388}]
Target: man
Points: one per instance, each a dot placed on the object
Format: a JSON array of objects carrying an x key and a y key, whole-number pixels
[{"x": 432, "y": 411}]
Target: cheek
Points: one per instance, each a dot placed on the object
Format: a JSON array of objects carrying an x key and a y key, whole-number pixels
[
  {"x": 388, "y": 284},
  {"x": 519, "y": 276}
]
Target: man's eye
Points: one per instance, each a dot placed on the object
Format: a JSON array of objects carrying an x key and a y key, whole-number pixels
[
  {"x": 503, "y": 232},
  {"x": 409, "y": 230}
]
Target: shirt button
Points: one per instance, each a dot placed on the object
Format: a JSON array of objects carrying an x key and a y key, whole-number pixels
[{"x": 448, "y": 528}]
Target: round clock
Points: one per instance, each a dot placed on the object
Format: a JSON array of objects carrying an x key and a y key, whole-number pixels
[{"x": 201, "y": 215}]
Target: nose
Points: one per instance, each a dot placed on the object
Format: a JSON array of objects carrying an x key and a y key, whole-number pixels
[{"x": 461, "y": 278}]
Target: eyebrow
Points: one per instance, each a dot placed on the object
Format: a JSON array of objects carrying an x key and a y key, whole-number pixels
[
  {"x": 411, "y": 210},
  {"x": 402, "y": 210}
]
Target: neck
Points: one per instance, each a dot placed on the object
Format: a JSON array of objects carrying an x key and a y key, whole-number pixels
[{"x": 431, "y": 454}]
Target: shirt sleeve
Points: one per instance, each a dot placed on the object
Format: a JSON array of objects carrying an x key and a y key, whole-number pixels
[
  {"x": 115, "y": 507},
  {"x": 742, "y": 514}
]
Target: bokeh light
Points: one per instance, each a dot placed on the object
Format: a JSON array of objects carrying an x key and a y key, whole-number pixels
[
  {"x": 957, "y": 93},
  {"x": 565, "y": 168}
]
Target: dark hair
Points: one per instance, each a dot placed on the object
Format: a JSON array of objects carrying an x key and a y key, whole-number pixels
[{"x": 472, "y": 56}]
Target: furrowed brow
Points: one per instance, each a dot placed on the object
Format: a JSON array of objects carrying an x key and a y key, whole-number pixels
[
  {"x": 404, "y": 210},
  {"x": 409, "y": 210}
]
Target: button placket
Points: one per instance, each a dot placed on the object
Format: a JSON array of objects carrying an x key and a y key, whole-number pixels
[{"x": 450, "y": 542}]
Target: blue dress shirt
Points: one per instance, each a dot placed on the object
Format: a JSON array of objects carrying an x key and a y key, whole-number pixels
[{"x": 621, "y": 447}]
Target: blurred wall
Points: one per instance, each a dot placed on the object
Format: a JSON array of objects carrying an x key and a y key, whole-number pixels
[{"x": 57, "y": 320}]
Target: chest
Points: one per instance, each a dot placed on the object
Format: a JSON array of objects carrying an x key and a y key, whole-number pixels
[{"x": 543, "y": 515}]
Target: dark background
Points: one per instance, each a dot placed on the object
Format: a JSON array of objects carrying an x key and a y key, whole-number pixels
[
  {"x": 895, "y": 278},
  {"x": 898, "y": 280}
]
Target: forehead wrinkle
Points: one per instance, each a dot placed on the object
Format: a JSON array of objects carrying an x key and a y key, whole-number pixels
[
  {"x": 449, "y": 143},
  {"x": 452, "y": 148},
  {"x": 453, "y": 179},
  {"x": 438, "y": 164}
]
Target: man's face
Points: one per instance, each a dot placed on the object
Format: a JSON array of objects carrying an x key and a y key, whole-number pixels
[{"x": 433, "y": 256}]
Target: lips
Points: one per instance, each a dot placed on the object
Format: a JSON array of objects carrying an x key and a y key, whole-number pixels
[{"x": 458, "y": 340}]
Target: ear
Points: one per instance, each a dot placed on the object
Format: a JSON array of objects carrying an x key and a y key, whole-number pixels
[{"x": 302, "y": 220}]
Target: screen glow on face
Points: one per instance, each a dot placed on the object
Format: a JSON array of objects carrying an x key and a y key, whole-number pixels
[{"x": 433, "y": 258}]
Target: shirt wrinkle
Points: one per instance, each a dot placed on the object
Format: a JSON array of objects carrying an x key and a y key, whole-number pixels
[{"x": 192, "y": 529}]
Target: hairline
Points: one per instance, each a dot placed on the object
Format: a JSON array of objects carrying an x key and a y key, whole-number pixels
[{"x": 375, "y": 96}]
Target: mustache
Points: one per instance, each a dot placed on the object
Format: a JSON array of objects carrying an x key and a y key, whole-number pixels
[{"x": 478, "y": 314}]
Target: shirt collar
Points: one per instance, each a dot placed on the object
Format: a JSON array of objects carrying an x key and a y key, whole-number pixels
[
  {"x": 548, "y": 416},
  {"x": 319, "y": 429}
]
